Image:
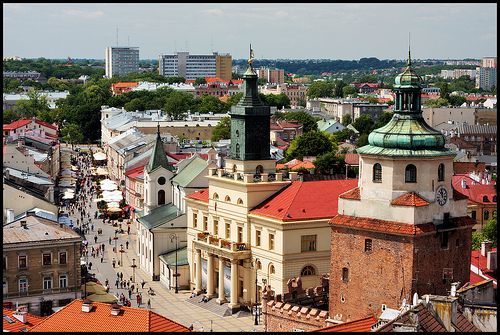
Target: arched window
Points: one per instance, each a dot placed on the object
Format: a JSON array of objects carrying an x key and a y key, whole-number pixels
[
  {"x": 377, "y": 173},
  {"x": 161, "y": 180},
  {"x": 161, "y": 197},
  {"x": 494, "y": 198},
  {"x": 239, "y": 201},
  {"x": 345, "y": 275},
  {"x": 308, "y": 271},
  {"x": 411, "y": 174},
  {"x": 485, "y": 198},
  {"x": 259, "y": 169},
  {"x": 258, "y": 265},
  {"x": 486, "y": 215},
  {"x": 271, "y": 269},
  {"x": 441, "y": 172},
  {"x": 215, "y": 196},
  {"x": 227, "y": 198}
]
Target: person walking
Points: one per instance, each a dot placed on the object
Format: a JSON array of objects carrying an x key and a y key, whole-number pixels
[
  {"x": 95, "y": 237},
  {"x": 114, "y": 264},
  {"x": 90, "y": 265},
  {"x": 102, "y": 258},
  {"x": 109, "y": 240},
  {"x": 138, "y": 298},
  {"x": 106, "y": 282},
  {"x": 149, "y": 303},
  {"x": 129, "y": 293},
  {"x": 116, "y": 283},
  {"x": 126, "y": 244},
  {"x": 143, "y": 283},
  {"x": 128, "y": 231}
]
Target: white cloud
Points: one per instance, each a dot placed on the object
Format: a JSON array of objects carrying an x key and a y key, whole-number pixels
[
  {"x": 214, "y": 11},
  {"x": 83, "y": 14}
]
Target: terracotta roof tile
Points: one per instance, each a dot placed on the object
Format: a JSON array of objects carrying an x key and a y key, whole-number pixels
[
  {"x": 467, "y": 167},
  {"x": 46, "y": 124},
  {"x": 410, "y": 199},
  {"x": 361, "y": 325},
  {"x": 474, "y": 191},
  {"x": 125, "y": 84},
  {"x": 201, "y": 195},
  {"x": 426, "y": 321},
  {"x": 392, "y": 227},
  {"x": 18, "y": 326},
  {"x": 16, "y": 124},
  {"x": 351, "y": 159},
  {"x": 304, "y": 164},
  {"x": 100, "y": 320},
  {"x": 353, "y": 194},
  {"x": 464, "y": 325},
  {"x": 480, "y": 262},
  {"x": 305, "y": 200}
]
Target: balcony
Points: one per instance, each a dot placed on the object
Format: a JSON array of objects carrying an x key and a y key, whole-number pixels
[{"x": 222, "y": 247}]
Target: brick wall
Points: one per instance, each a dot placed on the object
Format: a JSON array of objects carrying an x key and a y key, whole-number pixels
[
  {"x": 397, "y": 267},
  {"x": 284, "y": 317}
]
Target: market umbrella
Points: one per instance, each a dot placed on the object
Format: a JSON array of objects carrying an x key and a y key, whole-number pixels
[
  {"x": 114, "y": 209},
  {"x": 113, "y": 204},
  {"x": 100, "y": 156},
  {"x": 102, "y": 171},
  {"x": 93, "y": 287},
  {"x": 102, "y": 297}
]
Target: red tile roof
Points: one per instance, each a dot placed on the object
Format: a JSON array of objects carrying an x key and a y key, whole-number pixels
[
  {"x": 474, "y": 190},
  {"x": 410, "y": 199},
  {"x": 201, "y": 195},
  {"x": 46, "y": 124},
  {"x": 304, "y": 164},
  {"x": 137, "y": 171},
  {"x": 280, "y": 166},
  {"x": 361, "y": 325},
  {"x": 479, "y": 262},
  {"x": 18, "y": 326},
  {"x": 353, "y": 194},
  {"x": 467, "y": 167},
  {"x": 282, "y": 124},
  {"x": 70, "y": 318},
  {"x": 392, "y": 227},
  {"x": 16, "y": 124},
  {"x": 465, "y": 326},
  {"x": 351, "y": 159},
  {"x": 125, "y": 84},
  {"x": 305, "y": 200}
]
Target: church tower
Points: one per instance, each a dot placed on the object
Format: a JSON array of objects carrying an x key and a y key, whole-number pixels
[
  {"x": 157, "y": 175},
  {"x": 403, "y": 230}
]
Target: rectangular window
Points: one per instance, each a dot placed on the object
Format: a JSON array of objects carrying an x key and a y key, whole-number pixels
[
  {"x": 271, "y": 241},
  {"x": 62, "y": 257},
  {"x": 195, "y": 219},
  {"x": 23, "y": 285},
  {"x": 47, "y": 259},
  {"x": 368, "y": 245},
  {"x": 63, "y": 281},
  {"x": 345, "y": 275},
  {"x": 448, "y": 274},
  {"x": 473, "y": 215},
  {"x": 444, "y": 240},
  {"x": 4, "y": 265},
  {"x": 257, "y": 238},
  {"x": 216, "y": 227},
  {"x": 308, "y": 243},
  {"x": 205, "y": 223},
  {"x": 23, "y": 262},
  {"x": 228, "y": 230},
  {"x": 240, "y": 234},
  {"x": 47, "y": 283}
]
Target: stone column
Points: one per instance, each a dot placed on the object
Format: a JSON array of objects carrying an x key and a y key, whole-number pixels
[
  {"x": 198, "y": 271},
  {"x": 234, "y": 285},
  {"x": 222, "y": 297},
  {"x": 210, "y": 276}
]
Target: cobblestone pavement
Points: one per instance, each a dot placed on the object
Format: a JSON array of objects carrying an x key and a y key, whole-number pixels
[{"x": 165, "y": 301}]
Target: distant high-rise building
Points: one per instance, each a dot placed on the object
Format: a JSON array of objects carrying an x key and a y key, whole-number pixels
[
  {"x": 121, "y": 61},
  {"x": 183, "y": 64},
  {"x": 273, "y": 76},
  {"x": 489, "y": 62},
  {"x": 486, "y": 77}
]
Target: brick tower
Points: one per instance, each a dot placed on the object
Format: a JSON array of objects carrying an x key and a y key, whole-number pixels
[{"x": 403, "y": 230}]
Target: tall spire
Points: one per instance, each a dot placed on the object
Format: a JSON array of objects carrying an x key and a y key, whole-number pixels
[
  {"x": 409, "y": 55},
  {"x": 158, "y": 157}
]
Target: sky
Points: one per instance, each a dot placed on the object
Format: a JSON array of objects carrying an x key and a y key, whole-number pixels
[{"x": 276, "y": 31}]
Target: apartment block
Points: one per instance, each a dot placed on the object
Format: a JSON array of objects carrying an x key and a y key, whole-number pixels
[
  {"x": 195, "y": 66},
  {"x": 121, "y": 61},
  {"x": 273, "y": 76},
  {"x": 224, "y": 66},
  {"x": 489, "y": 62},
  {"x": 486, "y": 78}
]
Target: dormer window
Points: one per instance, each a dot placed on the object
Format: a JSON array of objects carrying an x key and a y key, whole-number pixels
[
  {"x": 411, "y": 174},
  {"x": 377, "y": 173},
  {"x": 485, "y": 198},
  {"x": 441, "y": 172}
]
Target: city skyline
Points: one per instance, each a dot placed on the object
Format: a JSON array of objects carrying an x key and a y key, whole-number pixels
[{"x": 276, "y": 31}]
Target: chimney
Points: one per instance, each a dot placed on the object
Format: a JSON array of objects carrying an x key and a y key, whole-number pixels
[
  {"x": 453, "y": 291},
  {"x": 115, "y": 309},
  {"x": 485, "y": 248},
  {"x": 20, "y": 315},
  {"x": 293, "y": 176},
  {"x": 491, "y": 260},
  {"x": 86, "y": 306},
  {"x": 24, "y": 224}
]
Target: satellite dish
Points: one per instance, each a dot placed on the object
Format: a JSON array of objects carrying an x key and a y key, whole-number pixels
[{"x": 415, "y": 299}]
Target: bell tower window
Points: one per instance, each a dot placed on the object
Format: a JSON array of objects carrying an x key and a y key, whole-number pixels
[
  {"x": 377, "y": 173},
  {"x": 411, "y": 174},
  {"x": 441, "y": 172}
]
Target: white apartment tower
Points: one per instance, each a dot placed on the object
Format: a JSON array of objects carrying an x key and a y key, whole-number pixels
[
  {"x": 121, "y": 61},
  {"x": 183, "y": 64}
]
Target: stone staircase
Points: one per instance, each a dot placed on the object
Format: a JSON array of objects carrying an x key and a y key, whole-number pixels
[{"x": 211, "y": 305}]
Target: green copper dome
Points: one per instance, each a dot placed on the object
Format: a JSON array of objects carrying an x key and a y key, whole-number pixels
[{"x": 407, "y": 133}]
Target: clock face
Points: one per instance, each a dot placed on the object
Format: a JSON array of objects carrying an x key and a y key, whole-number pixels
[{"x": 441, "y": 195}]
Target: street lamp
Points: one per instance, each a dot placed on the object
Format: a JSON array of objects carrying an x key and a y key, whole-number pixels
[
  {"x": 256, "y": 292},
  {"x": 121, "y": 254},
  {"x": 133, "y": 266},
  {"x": 172, "y": 237}
]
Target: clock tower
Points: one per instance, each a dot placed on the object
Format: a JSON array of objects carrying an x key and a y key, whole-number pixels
[{"x": 403, "y": 230}]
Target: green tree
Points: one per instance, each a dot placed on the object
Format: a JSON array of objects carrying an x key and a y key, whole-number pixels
[
  {"x": 490, "y": 230},
  {"x": 445, "y": 91},
  {"x": 339, "y": 89},
  {"x": 71, "y": 134},
  {"x": 347, "y": 120},
  {"x": 383, "y": 119},
  {"x": 362, "y": 140},
  {"x": 456, "y": 100},
  {"x": 234, "y": 99},
  {"x": 222, "y": 130},
  {"x": 321, "y": 89},
  {"x": 349, "y": 90},
  {"x": 9, "y": 116},
  {"x": 134, "y": 104},
  {"x": 10, "y": 85},
  {"x": 364, "y": 124},
  {"x": 209, "y": 103},
  {"x": 329, "y": 163},
  {"x": 35, "y": 104},
  {"x": 178, "y": 104},
  {"x": 312, "y": 143},
  {"x": 436, "y": 103},
  {"x": 57, "y": 84},
  {"x": 307, "y": 120},
  {"x": 200, "y": 81},
  {"x": 261, "y": 81},
  {"x": 343, "y": 135}
]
